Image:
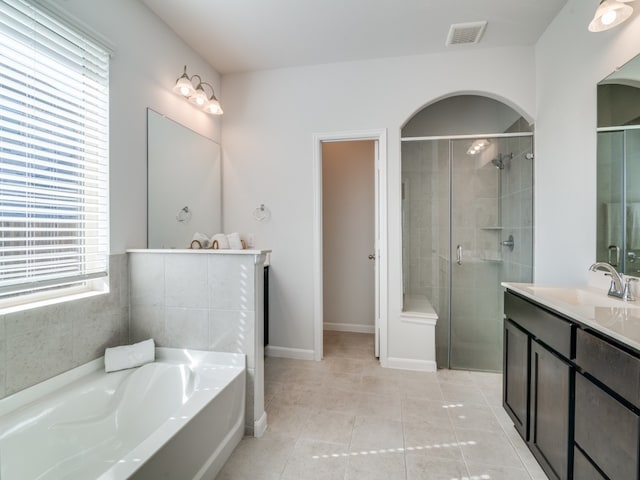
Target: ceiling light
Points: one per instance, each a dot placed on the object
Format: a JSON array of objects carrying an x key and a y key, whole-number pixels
[
  {"x": 609, "y": 14},
  {"x": 477, "y": 146},
  {"x": 195, "y": 93}
]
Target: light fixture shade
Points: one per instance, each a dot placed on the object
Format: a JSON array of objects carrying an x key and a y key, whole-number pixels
[
  {"x": 609, "y": 14},
  {"x": 183, "y": 86},
  {"x": 199, "y": 97},
  {"x": 213, "y": 106}
]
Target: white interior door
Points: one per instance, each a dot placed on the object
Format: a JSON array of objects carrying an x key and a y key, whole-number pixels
[{"x": 376, "y": 247}]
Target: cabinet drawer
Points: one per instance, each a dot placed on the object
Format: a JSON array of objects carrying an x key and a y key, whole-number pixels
[
  {"x": 606, "y": 430},
  {"x": 614, "y": 367},
  {"x": 550, "y": 329},
  {"x": 583, "y": 469}
]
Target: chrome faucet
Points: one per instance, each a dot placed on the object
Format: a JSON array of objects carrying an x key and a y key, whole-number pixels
[{"x": 615, "y": 289}]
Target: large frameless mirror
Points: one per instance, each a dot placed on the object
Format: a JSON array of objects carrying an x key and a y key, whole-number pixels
[
  {"x": 618, "y": 163},
  {"x": 183, "y": 182}
]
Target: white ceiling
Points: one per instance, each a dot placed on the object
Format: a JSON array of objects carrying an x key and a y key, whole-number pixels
[{"x": 244, "y": 35}]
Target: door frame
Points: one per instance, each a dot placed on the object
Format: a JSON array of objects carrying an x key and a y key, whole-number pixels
[{"x": 379, "y": 136}]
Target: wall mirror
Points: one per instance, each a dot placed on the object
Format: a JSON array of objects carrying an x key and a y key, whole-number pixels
[
  {"x": 183, "y": 183},
  {"x": 618, "y": 164}
]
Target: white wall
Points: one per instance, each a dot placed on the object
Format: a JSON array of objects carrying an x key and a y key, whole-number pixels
[
  {"x": 348, "y": 231},
  {"x": 148, "y": 59},
  {"x": 270, "y": 117},
  {"x": 570, "y": 61}
]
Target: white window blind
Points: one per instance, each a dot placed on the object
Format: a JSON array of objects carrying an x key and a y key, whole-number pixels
[{"x": 54, "y": 126}]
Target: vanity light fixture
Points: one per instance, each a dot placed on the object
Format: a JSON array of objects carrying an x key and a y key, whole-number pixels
[
  {"x": 477, "y": 146},
  {"x": 192, "y": 88},
  {"x": 609, "y": 14}
]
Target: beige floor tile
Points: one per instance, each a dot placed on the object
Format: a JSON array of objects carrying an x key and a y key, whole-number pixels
[
  {"x": 288, "y": 420},
  {"x": 297, "y": 395},
  {"x": 425, "y": 387},
  {"x": 465, "y": 394},
  {"x": 374, "y": 433},
  {"x": 344, "y": 381},
  {"x": 477, "y": 417},
  {"x": 332, "y": 427},
  {"x": 345, "y": 365},
  {"x": 425, "y": 410},
  {"x": 380, "y": 385},
  {"x": 490, "y": 448},
  {"x": 338, "y": 400},
  {"x": 263, "y": 456},
  {"x": 377, "y": 466},
  {"x": 425, "y": 467},
  {"x": 313, "y": 460},
  {"x": 384, "y": 406},
  {"x": 480, "y": 471},
  {"x": 434, "y": 441}
]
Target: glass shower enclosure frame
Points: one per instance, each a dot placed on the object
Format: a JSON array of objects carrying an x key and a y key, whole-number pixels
[{"x": 467, "y": 221}]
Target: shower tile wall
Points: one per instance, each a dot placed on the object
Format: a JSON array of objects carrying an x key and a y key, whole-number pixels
[
  {"x": 41, "y": 343},
  {"x": 420, "y": 210},
  {"x": 517, "y": 210}
]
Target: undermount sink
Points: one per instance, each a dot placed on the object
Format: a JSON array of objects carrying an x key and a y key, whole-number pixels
[{"x": 581, "y": 297}]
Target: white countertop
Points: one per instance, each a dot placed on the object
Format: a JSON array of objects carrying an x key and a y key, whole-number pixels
[
  {"x": 200, "y": 251},
  {"x": 610, "y": 316}
]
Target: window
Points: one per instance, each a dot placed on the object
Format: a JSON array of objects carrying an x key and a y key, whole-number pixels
[{"x": 54, "y": 121}]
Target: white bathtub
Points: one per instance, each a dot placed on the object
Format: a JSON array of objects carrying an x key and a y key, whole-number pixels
[{"x": 177, "y": 418}]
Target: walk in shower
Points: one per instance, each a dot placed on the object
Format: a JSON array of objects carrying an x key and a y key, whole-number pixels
[{"x": 467, "y": 222}]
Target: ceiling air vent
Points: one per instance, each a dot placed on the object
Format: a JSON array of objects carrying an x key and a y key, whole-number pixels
[{"x": 465, "y": 33}]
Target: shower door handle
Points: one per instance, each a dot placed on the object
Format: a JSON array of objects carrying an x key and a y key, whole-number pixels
[
  {"x": 459, "y": 254},
  {"x": 614, "y": 255}
]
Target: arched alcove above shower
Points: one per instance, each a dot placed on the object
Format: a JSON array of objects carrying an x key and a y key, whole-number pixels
[
  {"x": 467, "y": 221},
  {"x": 465, "y": 115}
]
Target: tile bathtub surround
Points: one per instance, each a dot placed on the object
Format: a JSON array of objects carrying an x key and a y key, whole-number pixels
[
  {"x": 43, "y": 342},
  {"x": 202, "y": 300},
  {"x": 346, "y": 418}
]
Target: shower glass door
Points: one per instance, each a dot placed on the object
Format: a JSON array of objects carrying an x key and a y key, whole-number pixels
[{"x": 491, "y": 242}]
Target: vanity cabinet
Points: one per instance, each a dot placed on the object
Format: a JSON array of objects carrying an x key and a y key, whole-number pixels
[
  {"x": 538, "y": 382},
  {"x": 572, "y": 392},
  {"x": 607, "y": 424},
  {"x": 516, "y": 376}
]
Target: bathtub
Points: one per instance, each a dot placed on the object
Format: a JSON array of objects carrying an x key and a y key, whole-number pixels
[{"x": 177, "y": 418}]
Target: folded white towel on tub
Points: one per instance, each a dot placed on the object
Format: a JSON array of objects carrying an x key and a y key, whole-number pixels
[
  {"x": 129, "y": 356},
  {"x": 235, "y": 242},
  {"x": 222, "y": 240},
  {"x": 202, "y": 238}
]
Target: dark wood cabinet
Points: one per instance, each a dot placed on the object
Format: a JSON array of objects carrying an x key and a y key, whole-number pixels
[
  {"x": 583, "y": 469},
  {"x": 549, "y": 439},
  {"x": 538, "y": 382},
  {"x": 606, "y": 430},
  {"x": 572, "y": 392},
  {"x": 516, "y": 376}
]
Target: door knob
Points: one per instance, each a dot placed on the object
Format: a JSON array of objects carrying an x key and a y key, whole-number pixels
[{"x": 372, "y": 257}]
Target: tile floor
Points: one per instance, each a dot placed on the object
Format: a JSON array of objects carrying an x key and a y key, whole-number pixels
[{"x": 346, "y": 418}]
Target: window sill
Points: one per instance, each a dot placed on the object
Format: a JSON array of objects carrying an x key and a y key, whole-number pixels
[{"x": 10, "y": 306}]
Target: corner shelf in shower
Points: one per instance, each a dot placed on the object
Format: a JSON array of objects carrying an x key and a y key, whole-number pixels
[
  {"x": 491, "y": 260},
  {"x": 491, "y": 228}
]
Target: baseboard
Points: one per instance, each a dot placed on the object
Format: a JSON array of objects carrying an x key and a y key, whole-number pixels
[
  {"x": 348, "y": 327},
  {"x": 260, "y": 426},
  {"x": 286, "y": 352},
  {"x": 409, "y": 364}
]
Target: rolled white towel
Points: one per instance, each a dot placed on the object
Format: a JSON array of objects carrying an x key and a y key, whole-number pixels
[
  {"x": 223, "y": 242},
  {"x": 202, "y": 238},
  {"x": 129, "y": 356},
  {"x": 235, "y": 243}
]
